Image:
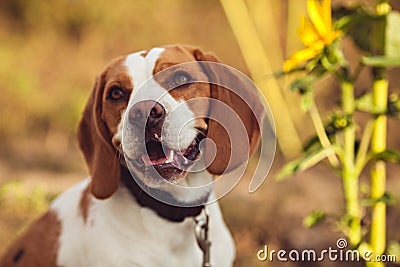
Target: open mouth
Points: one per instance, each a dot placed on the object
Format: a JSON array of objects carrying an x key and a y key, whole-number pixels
[{"x": 169, "y": 163}]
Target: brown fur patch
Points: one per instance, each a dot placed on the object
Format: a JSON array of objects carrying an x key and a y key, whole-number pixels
[
  {"x": 98, "y": 126},
  {"x": 38, "y": 246},
  {"x": 144, "y": 53},
  {"x": 85, "y": 203},
  {"x": 173, "y": 55},
  {"x": 248, "y": 112}
]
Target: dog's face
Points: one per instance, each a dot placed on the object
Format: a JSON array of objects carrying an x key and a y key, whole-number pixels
[
  {"x": 166, "y": 116},
  {"x": 149, "y": 112}
]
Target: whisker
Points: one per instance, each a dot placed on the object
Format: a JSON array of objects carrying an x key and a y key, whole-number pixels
[
  {"x": 200, "y": 135},
  {"x": 118, "y": 152}
]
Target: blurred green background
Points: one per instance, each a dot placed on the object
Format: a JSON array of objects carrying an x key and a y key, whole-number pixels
[{"x": 50, "y": 53}]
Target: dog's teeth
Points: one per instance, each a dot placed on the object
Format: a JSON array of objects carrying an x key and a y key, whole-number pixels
[{"x": 157, "y": 137}]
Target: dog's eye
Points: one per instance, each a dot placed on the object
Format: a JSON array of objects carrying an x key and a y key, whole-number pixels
[
  {"x": 181, "y": 78},
  {"x": 116, "y": 93}
]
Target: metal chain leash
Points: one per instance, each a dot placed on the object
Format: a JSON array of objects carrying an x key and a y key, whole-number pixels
[{"x": 201, "y": 233}]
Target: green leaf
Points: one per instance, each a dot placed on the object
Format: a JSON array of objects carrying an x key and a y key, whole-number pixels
[
  {"x": 343, "y": 20},
  {"x": 313, "y": 218},
  {"x": 389, "y": 155},
  {"x": 392, "y": 35},
  {"x": 345, "y": 221},
  {"x": 381, "y": 61},
  {"x": 306, "y": 101},
  {"x": 303, "y": 85},
  {"x": 288, "y": 170},
  {"x": 394, "y": 249},
  {"x": 387, "y": 198},
  {"x": 393, "y": 105},
  {"x": 282, "y": 73},
  {"x": 312, "y": 144},
  {"x": 333, "y": 57},
  {"x": 278, "y": 74},
  {"x": 305, "y": 163},
  {"x": 364, "y": 103}
]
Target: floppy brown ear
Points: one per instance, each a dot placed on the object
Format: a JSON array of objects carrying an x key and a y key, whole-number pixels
[
  {"x": 95, "y": 142},
  {"x": 244, "y": 102}
]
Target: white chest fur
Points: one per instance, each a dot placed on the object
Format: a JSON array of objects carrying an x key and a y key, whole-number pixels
[{"x": 119, "y": 232}]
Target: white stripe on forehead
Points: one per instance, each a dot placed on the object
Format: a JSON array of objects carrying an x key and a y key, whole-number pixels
[
  {"x": 178, "y": 128},
  {"x": 141, "y": 68},
  {"x": 145, "y": 87}
]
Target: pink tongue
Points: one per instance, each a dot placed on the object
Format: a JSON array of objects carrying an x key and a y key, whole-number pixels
[{"x": 146, "y": 159}]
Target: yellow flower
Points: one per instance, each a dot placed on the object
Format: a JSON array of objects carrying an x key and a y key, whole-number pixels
[{"x": 315, "y": 33}]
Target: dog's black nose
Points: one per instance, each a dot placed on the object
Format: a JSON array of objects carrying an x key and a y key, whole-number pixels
[{"x": 147, "y": 113}]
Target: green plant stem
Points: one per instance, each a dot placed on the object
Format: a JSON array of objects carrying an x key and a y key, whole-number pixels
[
  {"x": 378, "y": 169},
  {"x": 321, "y": 133},
  {"x": 378, "y": 143},
  {"x": 350, "y": 179},
  {"x": 362, "y": 154}
]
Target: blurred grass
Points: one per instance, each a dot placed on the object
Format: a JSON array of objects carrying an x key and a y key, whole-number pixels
[
  {"x": 15, "y": 199},
  {"x": 19, "y": 207},
  {"x": 51, "y": 51}
]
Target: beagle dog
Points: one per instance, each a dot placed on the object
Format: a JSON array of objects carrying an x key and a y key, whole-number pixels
[{"x": 111, "y": 219}]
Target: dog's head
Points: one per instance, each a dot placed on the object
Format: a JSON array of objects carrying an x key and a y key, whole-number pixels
[{"x": 150, "y": 112}]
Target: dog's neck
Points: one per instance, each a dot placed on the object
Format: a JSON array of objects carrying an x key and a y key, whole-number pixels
[{"x": 169, "y": 212}]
